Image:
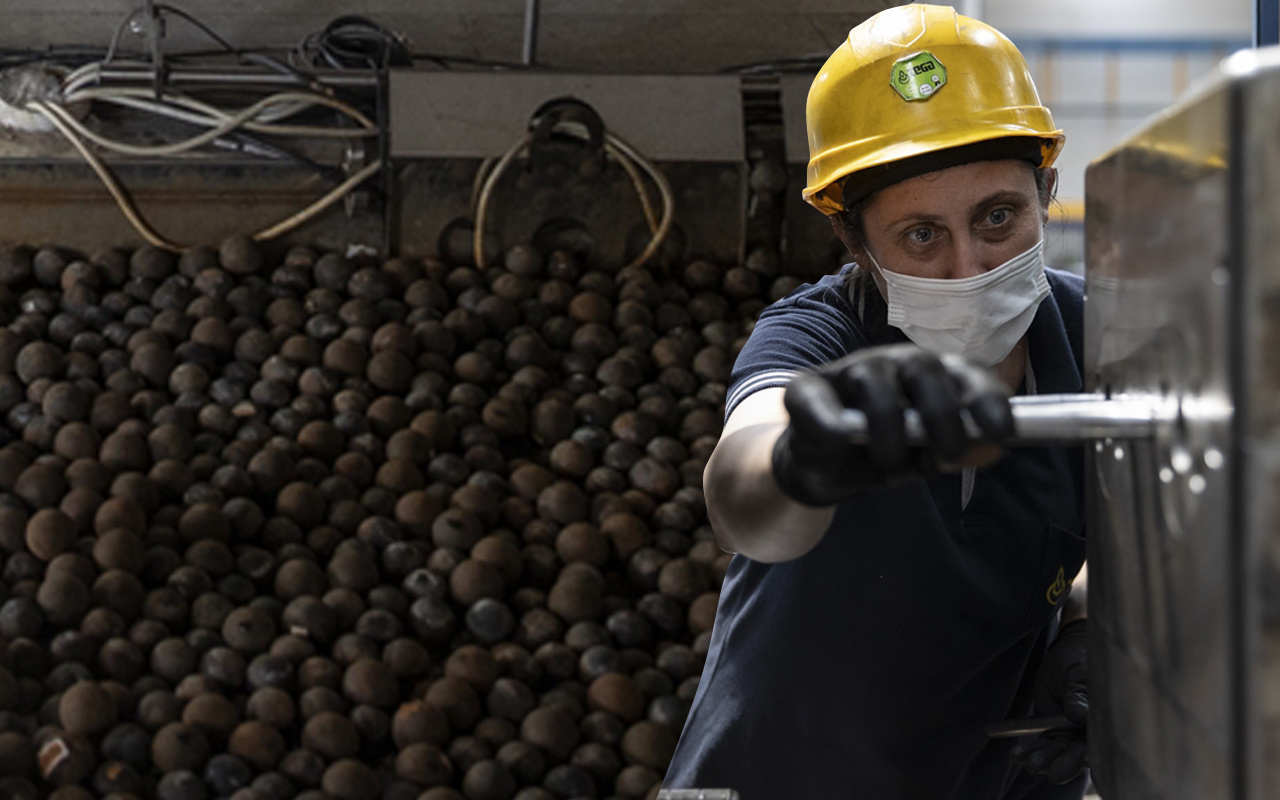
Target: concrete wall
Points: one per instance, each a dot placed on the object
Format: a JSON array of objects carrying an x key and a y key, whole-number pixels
[
  {"x": 627, "y": 35},
  {"x": 614, "y": 35}
]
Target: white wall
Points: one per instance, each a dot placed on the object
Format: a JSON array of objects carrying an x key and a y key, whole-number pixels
[
  {"x": 1138, "y": 19},
  {"x": 1097, "y": 96},
  {"x": 1104, "y": 66}
]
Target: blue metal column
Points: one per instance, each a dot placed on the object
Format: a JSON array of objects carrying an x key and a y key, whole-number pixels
[{"x": 1266, "y": 22}]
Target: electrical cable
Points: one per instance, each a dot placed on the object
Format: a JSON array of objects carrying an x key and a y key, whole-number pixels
[
  {"x": 168, "y": 9},
  {"x": 646, "y": 204},
  {"x": 73, "y": 89},
  {"x": 621, "y": 152},
  {"x": 74, "y": 55},
  {"x": 664, "y": 191},
  {"x": 355, "y": 42},
  {"x": 276, "y": 65},
  {"x": 482, "y": 174},
  {"x": 94, "y": 76},
  {"x": 260, "y": 117},
  {"x": 115, "y": 37},
  {"x": 237, "y": 140},
  {"x": 149, "y": 233},
  {"x": 259, "y": 58},
  {"x": 161, "y": 9},
  {"x": 88, "y": 73},
  {"x": 289, "y": 102},
  {"x": 311, "y": 211},
  {"x": 241, "y": 142},
  {"x": 144, "y": 99},
  {"x": 117, "y": 191},
  {"x": 486, "y": 190},
  {"x": 223, "y": 127}
]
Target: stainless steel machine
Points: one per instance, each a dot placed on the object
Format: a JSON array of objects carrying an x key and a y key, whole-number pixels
[{"x": 1183, "y": 314}]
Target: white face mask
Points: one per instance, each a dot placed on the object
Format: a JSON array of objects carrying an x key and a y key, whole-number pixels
[{"x": 981, "y": 317}]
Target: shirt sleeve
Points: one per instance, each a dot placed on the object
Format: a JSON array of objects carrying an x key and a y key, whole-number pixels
[{"x": 806, "y": 329}]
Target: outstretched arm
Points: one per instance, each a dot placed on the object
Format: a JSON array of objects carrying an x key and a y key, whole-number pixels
[
  {"x": 749, "y": 513},
  {"x": 787, "y": 457}
]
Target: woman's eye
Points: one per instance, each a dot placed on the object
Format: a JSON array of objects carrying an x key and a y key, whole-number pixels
[
  {"x": 999, "y": 216},
  {"x": 920, "y": 235}
]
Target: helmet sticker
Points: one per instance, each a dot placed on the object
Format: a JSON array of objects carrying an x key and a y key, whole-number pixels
[{"x": 918, "y": 77}]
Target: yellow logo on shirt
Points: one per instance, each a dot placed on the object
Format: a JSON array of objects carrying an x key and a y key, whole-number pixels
[{"x": 1058, "y": 588}]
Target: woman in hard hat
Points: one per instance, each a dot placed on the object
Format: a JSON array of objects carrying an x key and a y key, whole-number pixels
[{"x": 889, "y": 602}]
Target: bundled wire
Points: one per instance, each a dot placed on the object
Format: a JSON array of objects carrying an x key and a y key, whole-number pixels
[
  {"x": 355, "y": 42},
  {"x": 161, "y": 9},
  {"x": 614, "y": 147},
  {"x": 220, "y": 122},
  {"x": 223, "y": 127},
  {"x": 58, "y": 116},
  {"x": 66, "y": 55},
  {"x": 347, "y": 43}
]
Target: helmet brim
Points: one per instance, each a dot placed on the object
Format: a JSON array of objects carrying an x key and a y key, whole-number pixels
[{"x": 846, "y": 192}]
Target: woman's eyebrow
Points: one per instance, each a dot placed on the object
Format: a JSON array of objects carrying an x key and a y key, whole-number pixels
[
  {"x": 915, "y": 216},
  {"x": 1003, "y": 196},
  {"x": 1012, "y": 196}
]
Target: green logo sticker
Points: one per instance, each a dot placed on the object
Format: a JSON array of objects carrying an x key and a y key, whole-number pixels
[{"x": 918, "y": 77}]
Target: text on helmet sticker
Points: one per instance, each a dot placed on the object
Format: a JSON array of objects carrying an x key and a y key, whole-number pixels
[{"x": 918, "y": 77}]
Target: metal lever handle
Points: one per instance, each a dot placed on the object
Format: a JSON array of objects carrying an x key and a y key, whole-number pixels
[
  {"x": 697, "y": 794},
  {"x": 1050, "y": 419}
]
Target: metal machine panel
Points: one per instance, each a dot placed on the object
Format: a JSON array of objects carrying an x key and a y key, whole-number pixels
[
  {"x": 193, "y": 201},
  {"x": 1259, "y": 324},
  {"x": 481, "y": 114},
  {"x": 443, "y": 124},
  {"x": 1183, "y": 306}
]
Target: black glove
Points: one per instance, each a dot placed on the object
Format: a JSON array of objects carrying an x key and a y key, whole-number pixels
[
  {"x": 816, "y": 463},
  {"x": 1061, "y": 688}
]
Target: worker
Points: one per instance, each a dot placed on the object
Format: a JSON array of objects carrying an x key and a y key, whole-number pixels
[{"x": 888, "y": 601}]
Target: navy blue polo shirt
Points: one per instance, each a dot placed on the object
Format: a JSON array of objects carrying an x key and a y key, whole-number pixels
[{"x": 869, "y": 666}]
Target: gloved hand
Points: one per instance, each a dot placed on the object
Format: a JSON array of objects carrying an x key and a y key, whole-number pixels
[
  {"x": 1061, "y": 688},
  {"x": 814, "y": 461}
]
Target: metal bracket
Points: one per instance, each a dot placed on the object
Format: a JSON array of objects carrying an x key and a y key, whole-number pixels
[
  {"x": 153, "y": 29},
  {"x": 354, "y": 159},
  {"x": 561, "y": 110}
]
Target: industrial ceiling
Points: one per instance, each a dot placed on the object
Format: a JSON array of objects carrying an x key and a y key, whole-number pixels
[{"x": 584, "y": 35}]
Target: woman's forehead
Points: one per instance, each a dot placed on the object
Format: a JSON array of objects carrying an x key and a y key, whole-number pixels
[{"x": 954, "y": 189}]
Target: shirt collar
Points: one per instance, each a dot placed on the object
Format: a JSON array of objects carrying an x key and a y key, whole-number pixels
[{"x": 1051, "y": 355}]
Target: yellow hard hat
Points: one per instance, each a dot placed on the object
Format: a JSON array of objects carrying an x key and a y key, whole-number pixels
[{"x": 917, "y": 80}]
